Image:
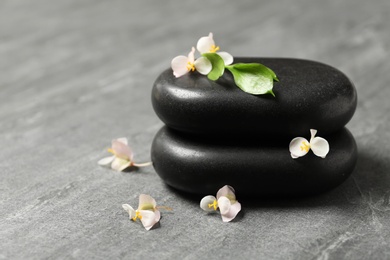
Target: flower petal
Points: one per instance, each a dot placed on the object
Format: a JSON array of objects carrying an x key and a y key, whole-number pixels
[
  {"x": 129, "y": 209},
  {"x": 206, "y": 201},
  {"x": 234, "y": 209},
  {"x": 227, "y": 191},
  {"x": 191, "y": 55},
  {"x": 146, "y": 202},
  {"x": 106, "y": 161},
  {"x": 122, "y": 150},
  {"x": 148, "y": 218},
  {"x": 203, "y": 65},
  {"x": 123, "y": 140},
  {"x": 313, "y": 133},
  {"x": 204, "y": 44},
  {"x": 224, "y": 205},
  {"x": 320, "y": 146},
  {"x": 120, "y": 164},
  {"x": 179, "y": 66},
  {"x": 227, "y": 57},
  {"x": 295, "y": 147},
  {"x": 157, "y": 215}
]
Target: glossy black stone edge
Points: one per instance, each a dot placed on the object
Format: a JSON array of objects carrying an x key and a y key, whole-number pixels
[
  {"x": 260, "y": 168},
  {"x": 309, "y": 95}
]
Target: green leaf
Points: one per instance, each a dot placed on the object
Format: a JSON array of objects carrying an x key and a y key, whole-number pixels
[
  {"x": 253, "y": 78},
  {"x": 217, "y": 63}
]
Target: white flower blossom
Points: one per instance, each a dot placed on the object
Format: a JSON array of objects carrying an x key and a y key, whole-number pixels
[
  {"x": 299, "y": 146},
  {"x": 226, "y": 202},
  {"x": 181, "y": 65},
  {"x": 147, "y": 211},
  {"x": 207, "y": 44}
]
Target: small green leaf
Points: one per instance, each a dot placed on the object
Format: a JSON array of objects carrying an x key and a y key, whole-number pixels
[
  {"x": 218, "y": 65},
  {"x": 253, "y": 78}
]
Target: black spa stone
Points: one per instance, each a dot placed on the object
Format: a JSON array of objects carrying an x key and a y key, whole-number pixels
[
  {"x": 308, "y": 95},
  {"x": 253, "y": 167}
]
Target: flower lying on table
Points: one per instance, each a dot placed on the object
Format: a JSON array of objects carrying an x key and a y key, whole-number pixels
[
  {"x": 147, "y": 211},
  {"x": 299, "y": 146},
  {"x": 226, "y": 202},
  {"x": 122, "y": 156},
  {"x": 253, "y": 78}
]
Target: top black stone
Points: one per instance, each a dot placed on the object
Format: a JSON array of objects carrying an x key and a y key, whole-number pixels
[{"x": 309, "y": 95}]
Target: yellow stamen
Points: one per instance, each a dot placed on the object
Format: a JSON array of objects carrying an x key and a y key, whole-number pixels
[
  {"x": 213, "y": 205},
  {"x": 305, "y": 146},
  {"x": 214, "y": 48},
  {"x": 110, "y": 150},
  {"x": 190, "y": 66},
  {"x": 137, "y": 215}
]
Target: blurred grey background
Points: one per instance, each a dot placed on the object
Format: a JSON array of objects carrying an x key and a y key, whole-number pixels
[{"x": 75, "y": 74}]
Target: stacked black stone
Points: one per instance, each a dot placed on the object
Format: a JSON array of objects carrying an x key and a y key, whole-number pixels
[{"x": 216, "y": 134}]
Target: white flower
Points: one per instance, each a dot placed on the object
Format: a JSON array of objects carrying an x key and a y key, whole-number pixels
[
  {"x": 181, "y": 65},
  {"x": 122, "y": 156},
  {"x": 206, "y": 44},
  {"x": 299, "y": 146},
  {"x": 147, "y": 211},
  {"x": 225, "y": 201}
]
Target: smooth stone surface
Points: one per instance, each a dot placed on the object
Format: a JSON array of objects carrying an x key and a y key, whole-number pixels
[
  {"x": 308, "y": 95},
  {"x": 252, "y": 167}
]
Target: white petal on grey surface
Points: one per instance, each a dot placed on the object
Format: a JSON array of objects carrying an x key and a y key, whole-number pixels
[{"x": 206, "y": 201}]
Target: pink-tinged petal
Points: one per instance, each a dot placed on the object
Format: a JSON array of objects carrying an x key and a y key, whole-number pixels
[
  {"x": 123, "y": 140},
  {"x": 179, "y": 66},
  {"x": 203, "y": 65},
  {"x": 106, "y": 161},
  {"x": 119, "y": 164},
  {"x": 191, "y": 55},
  {"x": 148, "y": 218},
  {"x": 207, "y": 202},
  {"x": 157, "y": 215},
  {"x": 320, "y": 147},
  {"x": 227, "y": 191},
  {"x": 204, "y": 44},
  {"x": 234, "y": 209},
  {"x": 122, "y": 150},
  {"x": 313, "y": 133},
  {"x": 146, "y": 202},
  {"x": 227, "y": 57},
  {"x": 129, "y": 209},
  {"x": 297, "y": 147},
  {"x": 224, "y": 205}
]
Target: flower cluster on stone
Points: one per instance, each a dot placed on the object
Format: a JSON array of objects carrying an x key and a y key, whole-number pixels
[
  {"x": 253, "y": 78},
  {"x": 299, "y": 146},
  {"x": 122, "y": 157},
  {"x": 182, "y": 65},
  {"x": 147, "y": 211},
  {"x": 226, "y": 202}
]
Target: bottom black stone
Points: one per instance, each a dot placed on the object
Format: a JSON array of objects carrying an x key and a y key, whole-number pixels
[{"x": 253, "y": 167}]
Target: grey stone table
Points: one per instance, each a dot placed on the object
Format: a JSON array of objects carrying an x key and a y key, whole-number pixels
[{"x": 76, "y": 74}]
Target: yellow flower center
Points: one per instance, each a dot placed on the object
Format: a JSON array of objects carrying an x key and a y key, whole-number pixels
[
  {"x": 214, "y": 48},
  {"x": 213, "y": 205},
  {"x": 137, "y": 215},
  {"x": 305, "y": 146},
  {"x": 190, "y": 66}
]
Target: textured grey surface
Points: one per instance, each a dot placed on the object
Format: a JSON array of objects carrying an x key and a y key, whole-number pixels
[{"x": 75, "y": 74}]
